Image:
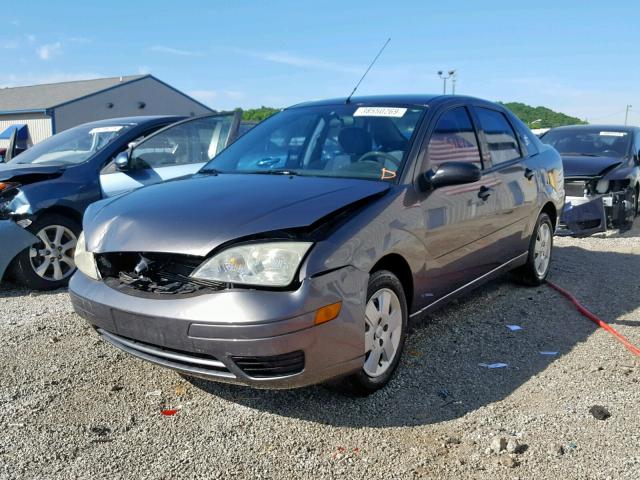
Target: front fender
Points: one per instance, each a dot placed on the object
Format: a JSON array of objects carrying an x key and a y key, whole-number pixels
[{"x": 13, "y": 239}]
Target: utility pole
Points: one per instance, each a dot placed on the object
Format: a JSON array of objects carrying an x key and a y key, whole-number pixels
[
  {"x": 626, "y": 114},
  {"x": 450, "y": 74}
]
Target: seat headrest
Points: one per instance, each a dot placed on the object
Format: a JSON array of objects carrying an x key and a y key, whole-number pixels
[
  {"x": 355, "y": 140},
  {"x": 387, "y": 135}
]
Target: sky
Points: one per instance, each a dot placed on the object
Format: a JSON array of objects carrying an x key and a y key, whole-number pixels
[{"x": 578, "y": 57}]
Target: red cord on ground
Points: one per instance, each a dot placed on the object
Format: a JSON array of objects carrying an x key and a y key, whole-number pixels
[{"x": 601, "y": 323}]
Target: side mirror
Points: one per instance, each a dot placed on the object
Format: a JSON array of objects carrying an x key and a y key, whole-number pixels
[
  {"x": 450, "y": 173},
  {"x": 122, "y": 161}
]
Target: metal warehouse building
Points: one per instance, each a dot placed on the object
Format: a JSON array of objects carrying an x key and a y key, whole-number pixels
[{"x": 51, "y": 108}]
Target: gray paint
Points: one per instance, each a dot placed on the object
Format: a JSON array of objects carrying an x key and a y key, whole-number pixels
[{"x": 469, "y": 243}]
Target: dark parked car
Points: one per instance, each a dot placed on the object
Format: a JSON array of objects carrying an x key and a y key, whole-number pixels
[
  {"x": 602, "y": 176},
  {"x": 45, "y": 190},
  {"x": 382, "y": 208}
]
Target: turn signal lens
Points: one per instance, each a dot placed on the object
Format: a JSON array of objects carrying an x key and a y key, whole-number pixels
[
  {"x": 7, "y": 186},
  {"x": 328, "y": 313}
]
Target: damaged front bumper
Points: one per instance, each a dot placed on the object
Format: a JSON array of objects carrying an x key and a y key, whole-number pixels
[
  {"x": 13, "y": 239},
  {"x": 261, "y": 338},
  {"x": 589, "y": 214}
]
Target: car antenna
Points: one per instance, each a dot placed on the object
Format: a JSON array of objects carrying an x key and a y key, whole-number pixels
[{"x": 367, "y": 71}]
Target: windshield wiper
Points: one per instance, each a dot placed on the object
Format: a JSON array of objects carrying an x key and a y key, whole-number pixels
[
  {"x": 278, "y": 171},
  {"x": 209, "y": 171},
  {"x": 580, "y": 154}
]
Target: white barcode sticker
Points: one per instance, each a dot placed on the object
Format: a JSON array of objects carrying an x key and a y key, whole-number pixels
[
  {"x": 114, "y": 128},
  {"x": 395, "y": 112},
  {"x": 613, "y": 134}
]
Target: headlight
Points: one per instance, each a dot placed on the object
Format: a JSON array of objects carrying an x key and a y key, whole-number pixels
[
  {"x": 602, "y": 186},
  {"x": 271, "y": 264},
  {"x": 85, "y": 261}
]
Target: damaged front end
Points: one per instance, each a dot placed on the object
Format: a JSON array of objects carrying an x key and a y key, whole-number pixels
[
  {"x": 595, "y": 204},
  {"x": 14, "y": 219}
]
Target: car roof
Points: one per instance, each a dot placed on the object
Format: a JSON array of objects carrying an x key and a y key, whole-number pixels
[
  {"x": 137, "y": 120},
  {"x": 618, "y": 128},
  {"x": 418, "y": 100}
]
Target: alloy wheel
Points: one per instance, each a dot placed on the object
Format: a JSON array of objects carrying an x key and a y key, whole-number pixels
[
  {"x": 542, "y": 249},
  {"x": 52, "y": 258},
  {"x": 383, "y": 328}
]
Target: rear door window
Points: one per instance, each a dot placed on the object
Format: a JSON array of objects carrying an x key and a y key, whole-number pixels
[
  {"x": 500, "y": 136},
  {"x": 453, "y": 140}
]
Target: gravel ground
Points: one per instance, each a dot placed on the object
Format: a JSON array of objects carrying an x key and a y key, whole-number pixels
[{"x": 74, "y": 407}]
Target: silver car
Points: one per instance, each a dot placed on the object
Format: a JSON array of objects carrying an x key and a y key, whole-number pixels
[{"x": 299, "y": 254}]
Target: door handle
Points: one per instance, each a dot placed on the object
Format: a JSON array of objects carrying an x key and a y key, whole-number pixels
[
  {"x": 484, "y": 192},
  {"x": 528, "y": 173}
]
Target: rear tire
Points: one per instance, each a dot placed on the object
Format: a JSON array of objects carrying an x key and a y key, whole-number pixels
[
  {"x": 535, "y": 271},
  {"x": 386, "y": 316},
  {"x": 48, "y": 266}
]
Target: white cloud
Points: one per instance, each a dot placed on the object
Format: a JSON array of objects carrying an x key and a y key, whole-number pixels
[
  {"x": 31, "y": 38},
  {"x": 174, "y": 51},
  {"x": 9, "y": 44},
  {"x": 45, "y": 52},
  {"x": 143, "y": 70},
  {"x": 299, "y": 61}
]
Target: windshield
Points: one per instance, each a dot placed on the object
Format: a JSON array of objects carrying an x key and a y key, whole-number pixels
[
  {"x": 591, "y": 143},
  {"x": 331, "y": 141},
  {"x": 72, "y": 146}
]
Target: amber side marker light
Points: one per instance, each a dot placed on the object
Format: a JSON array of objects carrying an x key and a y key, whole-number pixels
[
  {"x": 7, "y": 185},
  {"x": 328, "y": 313}
]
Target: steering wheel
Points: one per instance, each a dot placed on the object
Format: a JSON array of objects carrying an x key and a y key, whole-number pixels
[{"x": 385, "y": 155}]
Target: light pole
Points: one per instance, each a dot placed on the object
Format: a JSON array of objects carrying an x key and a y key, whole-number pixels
[
  {"x": 450, "y": 74},
  {"x": 626, "y": 114}
]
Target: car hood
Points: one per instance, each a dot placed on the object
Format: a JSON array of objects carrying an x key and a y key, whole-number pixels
[
  {"x": 194, "y": 216},
  {"x": 580, "y": 166},
  {"x": 35, "y": 172}
]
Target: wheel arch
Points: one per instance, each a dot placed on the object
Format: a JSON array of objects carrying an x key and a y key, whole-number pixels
[
  {"x": 398, "y": 265},
  {"x": 550, "y": 209},
  {"x": 61, "y": 210}
]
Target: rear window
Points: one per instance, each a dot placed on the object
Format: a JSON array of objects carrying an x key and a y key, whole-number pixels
[{"x": 590, "y": 142}]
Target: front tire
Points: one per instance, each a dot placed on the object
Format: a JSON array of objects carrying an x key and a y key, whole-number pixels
[
  {"x": 48, "y": 264},
  {"x": 535, "y": 271},
  {"x": 386, "y": 316}
]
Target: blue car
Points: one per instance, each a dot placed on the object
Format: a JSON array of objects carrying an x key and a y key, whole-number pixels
[{"x": 45, "y": 190}]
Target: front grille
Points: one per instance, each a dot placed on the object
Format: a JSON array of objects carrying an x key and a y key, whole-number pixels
[
  {"x": 273, "y": 366},
  {"x": 198, "y": 362},
  {"x": 153, "y": 274},
  {"x": 575, "y": 188}
]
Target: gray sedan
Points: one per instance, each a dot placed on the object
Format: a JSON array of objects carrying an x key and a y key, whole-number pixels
[{"x": 290, "y": 273}]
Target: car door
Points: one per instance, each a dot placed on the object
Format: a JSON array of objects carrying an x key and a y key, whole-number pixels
[
  {"x": 177, "y": 150},
  {"x": 460, "y": 220},
  {"x": 514, "y": 166}
]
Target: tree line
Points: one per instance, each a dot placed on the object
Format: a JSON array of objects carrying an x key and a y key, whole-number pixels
[{"x": 534, "y": 117}]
